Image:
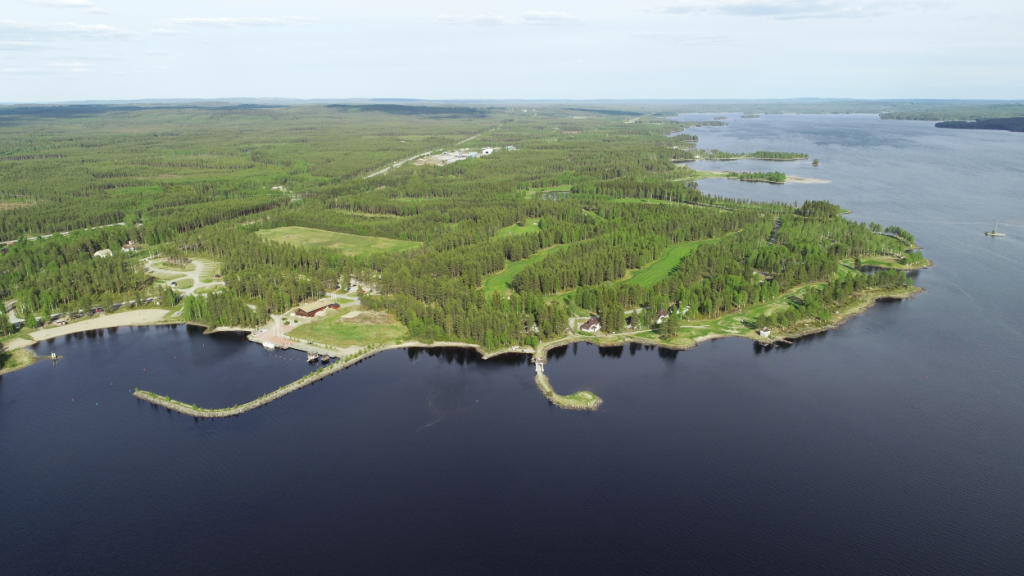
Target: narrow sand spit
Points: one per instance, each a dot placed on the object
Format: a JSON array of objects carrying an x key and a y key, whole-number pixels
[{"x": 131, "y": 318}]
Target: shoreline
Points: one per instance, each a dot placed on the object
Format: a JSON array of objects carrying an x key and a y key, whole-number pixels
[{"x": 582, "y": 400}]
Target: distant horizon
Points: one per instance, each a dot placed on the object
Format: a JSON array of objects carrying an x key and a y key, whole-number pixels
[
  {"x": 284, "y": 100},
  {"x": 114, "y": 50}
]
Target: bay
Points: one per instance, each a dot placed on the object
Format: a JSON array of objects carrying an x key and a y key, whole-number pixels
[{"x": 890, "y": 445}]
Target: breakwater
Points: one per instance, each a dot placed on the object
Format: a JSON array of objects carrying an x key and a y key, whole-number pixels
[{"x": 199, "y": 412}]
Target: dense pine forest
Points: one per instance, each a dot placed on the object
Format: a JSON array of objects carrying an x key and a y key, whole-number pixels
[{"x": 586, "y": 207}]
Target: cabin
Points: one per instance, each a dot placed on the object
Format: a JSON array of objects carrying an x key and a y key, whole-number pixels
[
  {"x": 334, "y": 306},
  {"x": 764, "y": 332},
  {"x": 662, "y": 315},
  {"x": 591, "y": 326},
  {"x": 102, "y": 253}
]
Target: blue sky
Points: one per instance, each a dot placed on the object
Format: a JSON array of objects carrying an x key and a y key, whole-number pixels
[{"x": 66, "y": 50}]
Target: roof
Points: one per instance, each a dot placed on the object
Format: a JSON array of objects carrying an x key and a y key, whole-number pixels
[
  {"x": 593, "y": 322},
  {"x": 314, "y": 306}
]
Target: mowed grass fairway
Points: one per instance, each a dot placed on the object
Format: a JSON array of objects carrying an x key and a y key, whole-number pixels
[
  {"x": 503, "y": 280},
  {"x": 350, "y": 244},
  {"x": 529, "y": 227},
  {"x": 661, "y": 268}
]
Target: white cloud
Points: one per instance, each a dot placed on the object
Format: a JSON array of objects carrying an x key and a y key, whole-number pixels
[
  {"x": 18, "y": 45},
  {"x": 162, "y": 32},
  {"x": 477, "y": 20},
  {"x": 235, "y": 22},
  {"x": 549, "y": 18},
  {"x": 529, "y": 18},
  {"x": 13, "y": 30},
  {"x": 783, "y": 9},
  {"x": 75, "y": 4},
  {"x": 682, "y": 39}
]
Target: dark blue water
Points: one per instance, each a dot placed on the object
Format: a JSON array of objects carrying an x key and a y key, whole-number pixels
[{"x": 892, "y": 445}]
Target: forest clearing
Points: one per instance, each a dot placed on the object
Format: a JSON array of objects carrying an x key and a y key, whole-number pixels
[{"x": 349, "y": 244}]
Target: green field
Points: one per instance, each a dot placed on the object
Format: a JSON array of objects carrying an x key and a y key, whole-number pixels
[
  {"x": 562, "y": 188},
  {"x": 661, "y": 268},
  {"x": 350, "y": 244},
  {"x": 502, "y": 280},
  {"x": 529, "y": 227},
  {"x": 334, "y": 332}
]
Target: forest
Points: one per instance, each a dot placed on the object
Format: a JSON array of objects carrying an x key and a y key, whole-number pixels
[{"x": 201, "y": 182}]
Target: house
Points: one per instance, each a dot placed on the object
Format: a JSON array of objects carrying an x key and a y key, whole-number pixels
[
  {"x": 591, "y": 326},
  {"x": 764, "y": 332},
  {"x": 129, "y": 247},
  {"x": 662, "y": 315},
  {"x": 102, "y": 253},
  {"x": 314, "y": 309}
]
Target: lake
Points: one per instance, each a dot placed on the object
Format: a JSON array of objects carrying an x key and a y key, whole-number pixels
[{"x": 890, "y": 445}]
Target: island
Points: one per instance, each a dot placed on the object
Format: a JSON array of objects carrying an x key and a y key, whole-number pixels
[
  {"x": 347, "y": 231},
  {"x": 1008, "y": 124}
]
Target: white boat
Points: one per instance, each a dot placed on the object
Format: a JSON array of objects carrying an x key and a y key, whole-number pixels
[{"x": 268, "y": 345}]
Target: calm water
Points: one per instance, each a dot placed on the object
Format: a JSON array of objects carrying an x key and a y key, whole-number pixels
[{"x": 892, "y": 445}]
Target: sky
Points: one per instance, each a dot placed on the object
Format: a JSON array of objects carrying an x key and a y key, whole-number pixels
[{"x": 74, "y": 50}]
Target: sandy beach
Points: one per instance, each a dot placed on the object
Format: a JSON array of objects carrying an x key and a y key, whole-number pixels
[{"x": 130, "y": 318}]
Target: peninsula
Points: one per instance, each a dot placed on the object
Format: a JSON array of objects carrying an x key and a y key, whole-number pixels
[{"x": 310, "y": 228}]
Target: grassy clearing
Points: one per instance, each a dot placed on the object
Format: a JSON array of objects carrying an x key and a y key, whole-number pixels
[
  {"x": 209, "y": 289},
  {"x": 350, "y": 244},
  {"x": 643, "y": 201},
  {"x": 11, "y": 360},
  {"x": 367, "y": 328},
  {"x": 166, "y": 276},
  {"x": 173, "y": 267},
  {"x": 884, "y": 262},
  {"x": 662, "y": 267},
  {"x": 503, "y": 280},
  {"x": 562, "y": 188},
  {"x": 209, "y": 271},
  {"x": 530, "y": 226},
  {"x": 184, "y": 284}
]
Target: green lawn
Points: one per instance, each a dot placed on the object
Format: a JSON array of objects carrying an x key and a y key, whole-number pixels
[
  {"x": 529, "y": 227},
  {"x": 334, "y": 332},
  {"x": 502, "y": 280},
  {"x": 661, "y": 268},
  {"x": 350, "y": 244}
]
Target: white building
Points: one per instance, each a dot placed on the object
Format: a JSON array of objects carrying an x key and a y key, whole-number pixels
[
  {"x": 764, "y": 332},
  {"x": 102, "y": 253}
]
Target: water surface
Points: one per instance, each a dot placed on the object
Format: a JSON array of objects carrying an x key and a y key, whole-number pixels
[{"x": 891, "y": 445}]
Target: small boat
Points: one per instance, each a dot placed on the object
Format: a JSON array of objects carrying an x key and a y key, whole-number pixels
[
  {"x": 324, "y": 358},
  {"x": 995, "y": 232},
  {"x": 311, "y": 357},
  {"x": 268, "y": 345}
]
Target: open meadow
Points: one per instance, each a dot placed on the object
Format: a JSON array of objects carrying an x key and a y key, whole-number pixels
[{"x": 350, "y": 244}]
